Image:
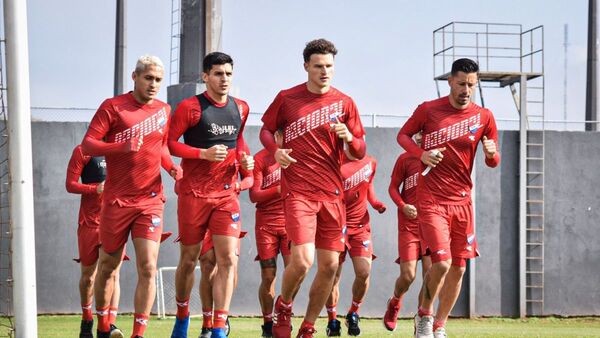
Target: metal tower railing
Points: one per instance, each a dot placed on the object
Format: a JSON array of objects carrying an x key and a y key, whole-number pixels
[
  {"x": 175, "y": 41},
  {"x": 510, "y": 57}
]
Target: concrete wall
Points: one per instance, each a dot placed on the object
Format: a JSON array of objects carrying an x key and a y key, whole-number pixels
[{"x": 572, "y": 246}]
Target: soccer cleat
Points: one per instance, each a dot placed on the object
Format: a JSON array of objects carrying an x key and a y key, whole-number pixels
[
  {"x": 423, "y": 326},
  {"x": 102, "y": 334},
  {"x": 440, "y": 332},
  {"x": 218, "y": 332},
  {"x": 267, "y": 330},
  {"x": 206, "y": 332},
  {"x": 115, "y": 332},
  {"x": 334, "y": 328},
  {"x": 227, "y": 326},
  {"x": 283, "y": 320},
  {"x": 85, "y": 330},
  {"x": 391, "y": 316},
  {"x": 352, "y": 320},
  {"x": 306, "y": 332},
  {"x": 180, "y": 328}
]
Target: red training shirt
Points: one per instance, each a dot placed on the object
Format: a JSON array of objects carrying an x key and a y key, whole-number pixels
[
  {"x": 132, "y": 178},
  {"x": 264, "y": 192},
  {"x": 91, "y": 201},
  {"x": 201, "y": 177},
  {"x": 459, "y": 131},
  {"x": 406, "y": 172},
  {"x": 306, "y": 120},
  {"x": 358, "y": 178}
]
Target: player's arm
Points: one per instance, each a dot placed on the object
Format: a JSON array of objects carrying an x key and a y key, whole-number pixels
[
  {"x": 371, "y": 196},
  {"x": 412, "y": 126},
  {"x": 267, "y": 134},
  {"x": 74, "y": 169},
  {"x": 165, "y": 157},
  {"x": 247, "y": 179},
  {"x": 93, "y": 143},
  {"x": 396, "y": 181},
  {"x": 351, "y": 131},
  {"x": 257, "y": 194},
  {"x": 243, "y": 151},
  {"x": 490, "y": 140}
]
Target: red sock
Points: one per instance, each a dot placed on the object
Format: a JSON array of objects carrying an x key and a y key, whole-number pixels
[
  {"x": 307, "y": 324},
  {"x": 103, "y": 319},
  {"x": 267, "y": 317},
  {"x": 396, "y": 302},
  {"x": 112, "y": 315},
  {"x": 355, "y": 306},
  {"x": 331, "y": 312},
  {"x": 424, "y": 312},
  {"x": 282, "y": 303},
  {"x": 86, "y": 312},
  {"x": 220, "y": 318},
  {"x": 207, "y": 315},
  {"x": 140, "y": 323},
  {"x": 438, "y": 323},
  {"x": 183, "y": 308}
]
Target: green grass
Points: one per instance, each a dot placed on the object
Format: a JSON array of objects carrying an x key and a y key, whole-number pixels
[{"x": 67, "y": 326}]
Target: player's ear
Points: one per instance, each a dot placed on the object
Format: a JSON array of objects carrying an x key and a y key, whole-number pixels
[{"x": 306, "y": 66}]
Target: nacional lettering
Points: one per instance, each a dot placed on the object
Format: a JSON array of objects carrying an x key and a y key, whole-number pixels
[
  {"x": 271, "y": 179},
  {"x": 446, "y": 134},
  {"x": 410, "y": 181},
  {"x": 362, "y": 175},
  {"x": 152, "y": 123},
  {"x": 314, "y": 120}
]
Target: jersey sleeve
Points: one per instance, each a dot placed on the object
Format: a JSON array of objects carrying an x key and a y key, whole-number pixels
[
  {"x": 74, "y": 170},
  {"x": 101, "y": 124},
  {"x": 165, "y": 157},
  {"x": 257, "y": 194},
  {"x": 271, "y": 116},
  {"x": 371, "y": 196},
  {"x": 412, "y": 126},
  {"x": 491, "y": 132},
  {"x": 184, "y": 117},
  {"x": 357, "y": 147},
  {"x": 398, "y": 174}
]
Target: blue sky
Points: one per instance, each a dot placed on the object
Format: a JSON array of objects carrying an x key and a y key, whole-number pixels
[{"x": 385, "y": 48}]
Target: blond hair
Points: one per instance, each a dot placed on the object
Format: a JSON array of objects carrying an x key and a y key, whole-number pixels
[{"x": 145, "y": 61}]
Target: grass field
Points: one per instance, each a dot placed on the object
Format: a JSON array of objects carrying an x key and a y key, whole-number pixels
[{"x": 68, "y": 326}]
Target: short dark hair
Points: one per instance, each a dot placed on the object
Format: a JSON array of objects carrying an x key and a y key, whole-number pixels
[
  {"x": 464, "y": 65},
  {"x": 318, "y": 46},
  {"x": 215, "y": 58}
]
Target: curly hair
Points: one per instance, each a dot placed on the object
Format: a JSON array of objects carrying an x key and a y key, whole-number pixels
[{"x": 318, "y": 46}]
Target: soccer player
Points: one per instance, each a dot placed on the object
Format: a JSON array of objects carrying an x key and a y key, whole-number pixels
[
  {"x": 452, "y": 127},
  {"x": 410, "y": 249},
  {"x": 130, "y": 130},
  {"x": 358, "y": 189},
  {"x": 212, "y": 153},
  {"x": 318, "y": 123},
  {"x": 271, "y": 237},
  {"x": 92, "y": 171}
]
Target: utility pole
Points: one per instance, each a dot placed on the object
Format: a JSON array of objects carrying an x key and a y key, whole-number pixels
[
  {"x": 566, "y": 75},
  {"x": 120, "y": 48},
  {"x": 591, "y": 97}
]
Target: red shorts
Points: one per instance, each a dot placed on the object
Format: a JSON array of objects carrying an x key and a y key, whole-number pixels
[
  {"x": 271, "y": 240},
  {"x": 88, "y": 241},
  {"x": 207, "y": 243},
  {"x": 319, "y": 222},
  {"x": 198, "y": 214},
  {"x": 410, "y": 245},
  {"x": 142, "y": 221},
  {"x": 358, "y": 242},
  {"x": 448, "y": 230}
]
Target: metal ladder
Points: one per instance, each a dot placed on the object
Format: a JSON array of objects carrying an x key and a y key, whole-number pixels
[
  {"x": 534, "y": 272},
  {"x": 175, "y": 41}
]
